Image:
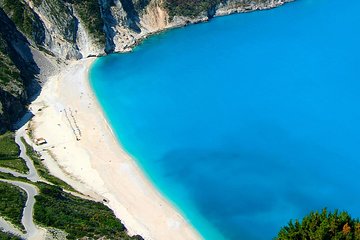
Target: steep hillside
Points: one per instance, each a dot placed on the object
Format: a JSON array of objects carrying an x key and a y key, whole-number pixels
[
  {"x": 37, "y": 31},
  {"x": 17, "y": 72}
]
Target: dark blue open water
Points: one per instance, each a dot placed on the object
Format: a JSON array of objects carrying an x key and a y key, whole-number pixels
[{"x": 246, "y": 121}]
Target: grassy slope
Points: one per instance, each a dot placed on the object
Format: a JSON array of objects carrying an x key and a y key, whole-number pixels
[
  {"x": 56, "y": 208},
  {"x": 12, "y": 203},
  {"x": 9, "y": 154},
  {"x": 8, "y": 147},
  {"x": 78, "y": 217},
  {"x": 17, "y": 164}
]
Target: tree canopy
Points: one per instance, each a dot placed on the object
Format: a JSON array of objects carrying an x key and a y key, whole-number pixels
[{"x": 324, "y": 225}]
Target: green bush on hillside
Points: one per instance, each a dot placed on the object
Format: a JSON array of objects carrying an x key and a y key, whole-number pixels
[
  {"x": 8, "y": 71},
  {"x": 12, "y": 203},
  {"x": 17, "y": 164},
  {"x": 322, "y": 226},
  {"x": 8, "y": 147},
  {"x": 9, "y": 154},
  {"x": 189, "y": 8},
  {"x": 78, "y": 217}
]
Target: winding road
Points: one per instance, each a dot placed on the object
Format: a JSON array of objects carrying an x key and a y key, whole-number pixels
[
  {"x": 32, "y": 231},
  {"x": 32, "y": 175}
]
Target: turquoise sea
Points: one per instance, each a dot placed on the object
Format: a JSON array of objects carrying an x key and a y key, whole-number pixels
[{"x": 247, "y": 121}]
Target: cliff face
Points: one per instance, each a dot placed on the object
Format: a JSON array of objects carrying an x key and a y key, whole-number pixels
[
  {"x": 17, "y": 72},
  {"x": 128, "y": 21},
  {"x": 74, "y": 29}
]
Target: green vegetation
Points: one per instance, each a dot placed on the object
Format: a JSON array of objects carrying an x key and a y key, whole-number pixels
[
  {"x": 9, "y": 154},
  {"x": 18, "y": 165},
  {"x": 89, "y": 13},
  {"x": 11, "y": 83},
  {"x": 8, "y": 236},
  {"x": 42, "y": 169},
  {"x": 24, "y": 18},
  {"x": 322, "y": 226},
  {"x": 12, "y": 203},
  {"x": 55, "y": 208},
  {"x": 8, "y": 71},
  {"x": 78, "y": 217},
  {"x": 189, "y": 8},
  {"x": 8, "y": 147},
  {"x": 9, "y": 176}
]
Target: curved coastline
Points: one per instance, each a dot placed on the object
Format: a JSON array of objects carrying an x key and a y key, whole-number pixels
[
  {"x": 141, "y": 171},
  {"x": 102, "y": 168},
  {"x": 200, "y": 225}
]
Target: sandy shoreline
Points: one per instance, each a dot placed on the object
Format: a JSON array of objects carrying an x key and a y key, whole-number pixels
[{"x": 82, "y": 150}]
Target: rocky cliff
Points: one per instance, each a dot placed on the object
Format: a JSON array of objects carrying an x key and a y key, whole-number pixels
[{"x": 36, "y": 34}]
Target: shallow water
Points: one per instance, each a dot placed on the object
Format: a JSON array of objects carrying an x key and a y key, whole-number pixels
[{"x": 246, "y": 121}]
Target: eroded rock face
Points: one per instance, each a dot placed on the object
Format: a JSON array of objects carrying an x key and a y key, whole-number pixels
[
  {"x": 74, "y": 29},
  {"x": 128, "y": 21}
]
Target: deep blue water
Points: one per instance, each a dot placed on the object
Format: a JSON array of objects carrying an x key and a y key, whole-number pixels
[{"x": 246, "y": 121}]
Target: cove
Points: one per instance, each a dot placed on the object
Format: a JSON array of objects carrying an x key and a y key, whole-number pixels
[{"x": 247, "y": 121}]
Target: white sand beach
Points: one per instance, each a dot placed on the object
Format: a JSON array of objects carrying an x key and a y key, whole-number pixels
[{"x": 82, "y": 150}]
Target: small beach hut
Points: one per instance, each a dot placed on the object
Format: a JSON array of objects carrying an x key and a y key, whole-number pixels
[{"x": 40, "y": 141}]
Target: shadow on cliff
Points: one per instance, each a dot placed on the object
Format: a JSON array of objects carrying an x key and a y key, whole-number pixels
[
  {"x": 27, "y": 116},
  {"x": 132, "y": 13},
  {"x": 17, "y": 47},
  {"x": 110, "y": 23}
]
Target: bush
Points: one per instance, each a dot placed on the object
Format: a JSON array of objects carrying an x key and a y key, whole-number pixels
[
  {"x": 189, "y": 8},
  {"x": 322, "y": 226},
  {"x": 9, "y": 154},
  {"x": 12, "y": 203},
  {"x": 78, "y": 217},
  {"x": 8, "y": 148}
]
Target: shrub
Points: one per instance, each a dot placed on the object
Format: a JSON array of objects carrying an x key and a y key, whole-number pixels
[{"x": 322, "y": 226}]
